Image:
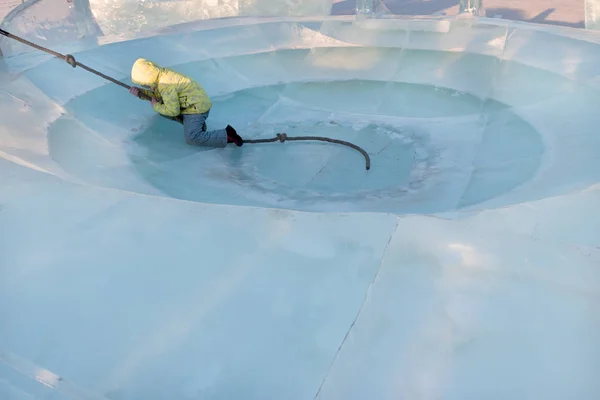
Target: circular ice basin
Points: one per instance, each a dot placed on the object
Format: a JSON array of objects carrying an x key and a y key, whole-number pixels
[{"x": 430, "y": 150}]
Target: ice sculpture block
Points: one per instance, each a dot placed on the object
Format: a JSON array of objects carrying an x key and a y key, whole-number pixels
[
  {"x": 285, "y": 8},
  {"x": 364, "y": 6},
  {"x": 592, "y": 14},
  {"x": 474, "y": 7}
]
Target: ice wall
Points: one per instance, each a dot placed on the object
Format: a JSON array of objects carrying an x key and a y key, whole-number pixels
[
  {"x": 50, "y": 23},
  {"x": 59, "y": 22}
]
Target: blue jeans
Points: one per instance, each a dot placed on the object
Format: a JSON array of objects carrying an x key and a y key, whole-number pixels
[{"x": 194, "y": 129}]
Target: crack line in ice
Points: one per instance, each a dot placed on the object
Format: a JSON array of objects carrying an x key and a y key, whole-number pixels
[{"x": 337, "y": 353}]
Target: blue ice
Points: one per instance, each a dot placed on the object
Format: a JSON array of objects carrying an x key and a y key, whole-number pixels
[{"x": 463, "y": 265}]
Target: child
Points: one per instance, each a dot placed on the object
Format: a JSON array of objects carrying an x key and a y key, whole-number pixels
[{"x": 179, "y": 97}]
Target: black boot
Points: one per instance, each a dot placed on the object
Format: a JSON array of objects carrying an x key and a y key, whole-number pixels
[{"x": 233, "y": 137}]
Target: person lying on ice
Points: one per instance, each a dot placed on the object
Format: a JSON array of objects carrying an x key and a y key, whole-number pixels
[{"x": 179, "y": 97}]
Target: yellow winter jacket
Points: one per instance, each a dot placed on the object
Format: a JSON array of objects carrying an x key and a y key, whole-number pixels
[{"x": 176, "y": 93}]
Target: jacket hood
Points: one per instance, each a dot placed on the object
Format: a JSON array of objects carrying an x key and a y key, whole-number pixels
[{"x": 145, "y": 72}]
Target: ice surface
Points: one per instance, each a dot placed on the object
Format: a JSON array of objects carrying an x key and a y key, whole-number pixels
[{"x": 463, "y": 265}]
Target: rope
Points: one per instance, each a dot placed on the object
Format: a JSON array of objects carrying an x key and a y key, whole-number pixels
[
  {"x": 70, "y": 60},
  {"x": 281, "y": 137}
]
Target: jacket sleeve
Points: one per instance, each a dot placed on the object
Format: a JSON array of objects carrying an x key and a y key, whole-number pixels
[
  {"x": 170, "y": 102},
  {"x": 147, "y": 92}
]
